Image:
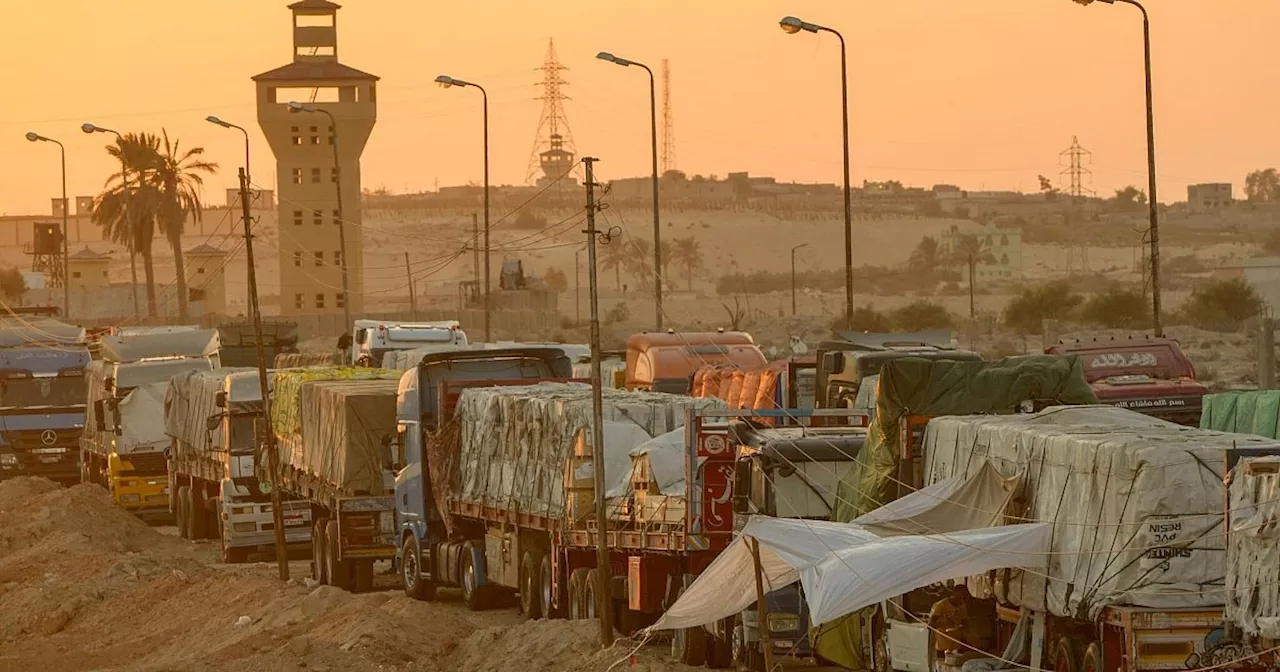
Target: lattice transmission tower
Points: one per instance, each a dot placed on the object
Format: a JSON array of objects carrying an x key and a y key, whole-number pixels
[
  {"x": 668, "y": 122},
  {"x": 553, "y": 152},
  {"x": 1076, "y": 176}
]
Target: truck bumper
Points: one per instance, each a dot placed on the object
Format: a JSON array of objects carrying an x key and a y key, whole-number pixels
[
  {"x": 144, "y": 496},
  {"x": 249, "y": 524},
  {"x": 63, "y": 468}
]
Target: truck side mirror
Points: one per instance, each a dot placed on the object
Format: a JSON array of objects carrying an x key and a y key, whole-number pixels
[
  {"x": 100, "y": 415},
  {"x": 108, "y": 383},
  {"x": 220, "y": 400},
  {"x": 833, "y": 362}
]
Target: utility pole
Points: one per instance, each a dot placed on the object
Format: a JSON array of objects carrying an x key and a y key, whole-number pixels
[
  {"x": 413, "y": 298},
  {"x": 577, "y": 288},
  {"x": 269, "y": 438},
  {"x": 475, "y": 246},
  {"x": 605, "y": 580}
]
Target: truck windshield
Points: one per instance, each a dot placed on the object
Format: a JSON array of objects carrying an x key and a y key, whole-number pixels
[
  {"x": 242, "y": 433},
  {"x": 24, "y": 391}
]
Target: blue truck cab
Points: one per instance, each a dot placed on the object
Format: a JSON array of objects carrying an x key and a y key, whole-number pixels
[
  {"x": 424, "y": 397},
  {"x": 42, "y": 399}
]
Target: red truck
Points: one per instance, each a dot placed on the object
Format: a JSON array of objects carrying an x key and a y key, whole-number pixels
[{"x": 1149, "y": 375}]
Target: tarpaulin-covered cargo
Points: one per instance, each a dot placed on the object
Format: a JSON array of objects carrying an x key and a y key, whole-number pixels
[
  {"x": 514, "y": 442},
  {"x": 286, "y": 417},
  {"x": 347, "y": 430},
  {"x": 290, "y": 360},
  {"x": 1136, "y": 503},
  {"x": 143, "y": 423},
  {"x": 1253, "y": 548},
  {"x": 191, "y": 400},
  {"x": 141, "y": 415},
  {"x": 1244, "y": 411},
  {"x": 913, "y": 386}
]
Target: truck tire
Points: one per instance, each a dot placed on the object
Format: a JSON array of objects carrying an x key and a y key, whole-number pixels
[
  {"x": 339, "y": 569},
  {"x": 530, "y": 601},
  {"x": 213, "y": 518},
  {"x": 362, "y": 576},
  {"x": 319, "y": 558},
  {"x": 468, "y": 580},
  {"x": 720, "y": 649},
  {"x": 1066, "y": 656},
  {"x": 590, "y": 591},
  {"x": 577, "y": 594},
  {"x": 184, "y": 523},
  {"x": 689, "y": 646},
  {"x": 546, "y": 590},
  {"x": 232, "y": 555},
  {"x": 194, "y": 506},
  {"x": 410, "y": 574}
]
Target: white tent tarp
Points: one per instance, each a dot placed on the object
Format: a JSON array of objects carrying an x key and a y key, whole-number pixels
[
  {"x": 949, "y": 505},
  {"x": 142, "y": 419}
]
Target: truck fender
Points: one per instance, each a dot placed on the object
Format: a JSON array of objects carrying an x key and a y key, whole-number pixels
[{"x": 477, "y": 561}]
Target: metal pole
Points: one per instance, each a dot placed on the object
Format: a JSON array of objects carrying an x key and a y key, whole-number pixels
[
  {"x": 1266, "y": 353},
  {"x": 657, "y": 228},
  {"x": 273, "y": 455},
  {"x": 603, "y": 574},
  {"x": 848, "y": 188},
  {"x": 793, "y": 282},
  {"x": 1152, "y": 201},
  {"x": 413, "y": 299},
  {"x": 762, "y": 609},
  {"x": 342, "y": 226},
  {"x": 66, "y": 257},
  {"x": 488, "y": 303},
  {"x": 577, "y": 288}
]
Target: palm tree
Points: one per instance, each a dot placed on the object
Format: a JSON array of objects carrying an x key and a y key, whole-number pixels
[
  {"x": 640, "y": 260},
  {"x": 614, "y": 256},
  {"x": 927, "y": 257},
  {"x": 666, "y": 259},
  {"x": 688, "y": 253},
  {"x": 176, "y": 177},
  {"x": 126, "y": 208},
  {"x": 969, "y": 251}
]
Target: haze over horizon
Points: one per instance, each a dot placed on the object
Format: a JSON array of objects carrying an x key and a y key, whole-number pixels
[{"x": 983, "y": 94}]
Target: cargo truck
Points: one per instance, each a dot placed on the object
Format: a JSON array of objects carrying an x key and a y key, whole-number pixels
[
  {"x": 123, "y": 446},
  {"x": 1152, "y": 376},
  {"x": 1252, "y": 610},
  {"x": 667, "y": 362},
  {"x": 373, "y": 339},
  {"x": 42, "y": 398},
  {"x": 335, "y": 429},
  {"x": 497, "y": 497},
  {"x": 210, "y": 418}
]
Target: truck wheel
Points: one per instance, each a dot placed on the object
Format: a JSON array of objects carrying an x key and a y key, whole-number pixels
[
  {"x": 689, "y": 645},
  {"x": 194, "y": 506},
  {"x": 319, "y": 559},
  {"x": 232, "y": 555},
  {"x": 339, "y": 569},
  {"x": 1066, "y": 656},
  {"x": 530, "y": 588},
  {"x": 410, "y": 573},
  {"x": 590, "y": 591},
  {"x": 546, "y": 591},
  {"x": 577, "y": 594},
  {"x": 362, "y": 576},
  {"x": 184, "y": 525},
  {"x": 472, "y": 592},
  {"x": 213, "y": 518},
  {"x": 1092, "y": 660},
  {"x": 720, "y": 649}
]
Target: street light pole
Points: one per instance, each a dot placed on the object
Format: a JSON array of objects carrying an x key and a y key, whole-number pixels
[
  {"x": 446, "y": 81},
  {"x": 657, "y": 227},
  {"x": 1153, "y": 207},
  {"x": 66, "y": 272},
  {"x": 342, "y": 222},
  {"x": 124, "y": 178},
  {"x": 793, "y": 25},
  {"x": 793, "y": 276}
]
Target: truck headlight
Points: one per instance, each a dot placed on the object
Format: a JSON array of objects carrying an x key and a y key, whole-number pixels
[
  {"x": 783, "y": 622},
  {"x": 8, "y": 459}
]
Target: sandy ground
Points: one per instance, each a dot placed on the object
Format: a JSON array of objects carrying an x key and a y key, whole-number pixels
[{"x": 86, "y": 586}]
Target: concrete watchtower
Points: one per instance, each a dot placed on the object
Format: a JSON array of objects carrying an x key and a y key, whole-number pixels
[{"x": 302, "y": 141}]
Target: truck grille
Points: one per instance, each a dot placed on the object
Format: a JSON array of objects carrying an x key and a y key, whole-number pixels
[
  {"x": 31, "y": 439},
  {"x": 144, "y": 464}
]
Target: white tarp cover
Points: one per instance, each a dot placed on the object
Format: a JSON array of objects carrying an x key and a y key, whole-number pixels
[
  {"x": 620, "y": 439},
  {"x": 1136, "y": 503},
  {"x": 191, "y": 400},
  {"x": 142, "y": 420},
  {"x": 665, "y": 453},
  {"x": 1253, "y": 549},
  {"x": 844, "y": 567},
  {"x": 956, "y": 503},
  {"x": 132, "y": 348},
  {"x": 515, "y": 441}
]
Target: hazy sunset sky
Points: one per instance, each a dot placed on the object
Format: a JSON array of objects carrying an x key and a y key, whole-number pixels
[{"x": 982, "y": 93}]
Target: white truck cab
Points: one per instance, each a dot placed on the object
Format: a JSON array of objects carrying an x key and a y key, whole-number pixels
[{"x": 374, "y": 338}]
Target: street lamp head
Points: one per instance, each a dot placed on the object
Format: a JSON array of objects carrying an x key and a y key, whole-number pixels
[
  {"x": 295, "y": 106},
  {"x": 34, "y": 137},
  {"x": 445, "y": 81},
  {"x": 1090, "y": 2},
  {"x": 89, "y": 128},
  {"x": 792, "y": 25},
  {"x": 606, "y": 56},
  {"x": 214, "y": 120}
]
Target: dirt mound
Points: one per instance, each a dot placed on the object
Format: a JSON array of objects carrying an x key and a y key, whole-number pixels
[{"x": 561, "y": 646}]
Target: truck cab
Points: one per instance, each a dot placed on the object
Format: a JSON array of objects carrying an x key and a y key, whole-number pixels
[
  {"x": 42, "y": 399},
  {"x": 419, "y": 404},
  {"x": 373, "y": 339},
  {"x": 667, "y": 362},
  {"x": 844, "y": 363},
  {"x": 785, "y": 472},
  {"x": 1149, "y": 375}
]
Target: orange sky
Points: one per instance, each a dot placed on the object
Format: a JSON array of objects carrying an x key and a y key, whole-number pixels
[{"x": 983, "y": 93}]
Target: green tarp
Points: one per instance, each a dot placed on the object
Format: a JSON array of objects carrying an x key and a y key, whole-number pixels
[
  {"x": 1242, "y": 412},
  {"x": 915, "y": 386}
]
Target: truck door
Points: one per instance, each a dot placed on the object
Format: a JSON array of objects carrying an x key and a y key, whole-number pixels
[{"x": 410, "y": 485}]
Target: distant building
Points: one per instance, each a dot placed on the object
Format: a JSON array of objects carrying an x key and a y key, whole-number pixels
[
  {"x": 1209, "y": 197},
  {"x": 206, "y": 281},
  {"x": 258, "y": 198},
  {"x": 1004, "y": 246},
  {"x": 88, "y": 270}
]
